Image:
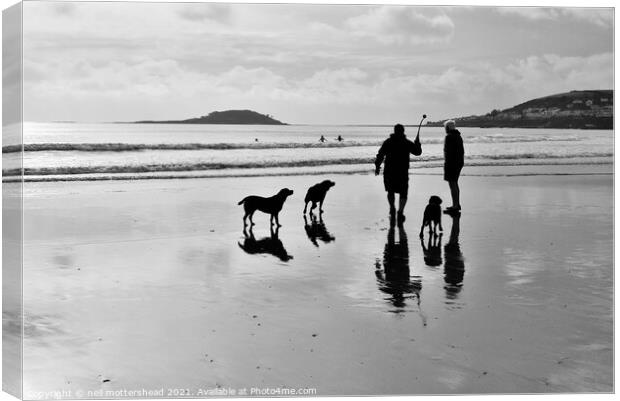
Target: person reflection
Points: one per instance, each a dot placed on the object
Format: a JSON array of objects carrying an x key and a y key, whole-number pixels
[
  {"x": 454, "y": 266},
  {"x": 317, "y": 230},
  {"x": 432, "y": 252},
  {"x": 271, "y": 245},
  {"x": 394, "y": 278}
]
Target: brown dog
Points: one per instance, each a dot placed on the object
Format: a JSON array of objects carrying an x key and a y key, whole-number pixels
[
  {"x": 432, "y": 216},
  {"x": 316, "y": 194},
  {"x": 271, "y": 206}
]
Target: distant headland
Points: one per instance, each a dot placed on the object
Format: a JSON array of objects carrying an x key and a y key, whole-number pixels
[
  {"x": 225, "y": 117},
  {"x": 588, "y": 109}
]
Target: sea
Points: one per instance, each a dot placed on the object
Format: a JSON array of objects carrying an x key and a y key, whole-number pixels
[{"x": 104, "y": 151}]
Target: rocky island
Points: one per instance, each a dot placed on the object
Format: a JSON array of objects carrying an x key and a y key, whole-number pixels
[
  {"x": 588, "y": 109},
  {"x": 248, "y": 117}
]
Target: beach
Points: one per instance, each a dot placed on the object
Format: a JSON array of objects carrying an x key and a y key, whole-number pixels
[{"x": 152, "y": 284}]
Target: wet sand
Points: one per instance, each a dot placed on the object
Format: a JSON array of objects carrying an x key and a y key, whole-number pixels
[{"x": 153, "y": 285}]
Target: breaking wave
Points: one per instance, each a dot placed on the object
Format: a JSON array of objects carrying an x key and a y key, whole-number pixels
[
  {"x": 424, "y": 161},
  {"x": 129, "y": 147}
]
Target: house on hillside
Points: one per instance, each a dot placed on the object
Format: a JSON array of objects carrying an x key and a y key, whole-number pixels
[{"x": 535, "y": 112}]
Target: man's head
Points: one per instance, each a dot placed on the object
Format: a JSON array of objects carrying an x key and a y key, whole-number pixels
[
  {"x": 449, "y": 125},
  {"x": 399, "y": 129}
]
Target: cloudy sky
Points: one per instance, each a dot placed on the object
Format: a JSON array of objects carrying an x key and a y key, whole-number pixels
[{"x": 321, "y": 64}]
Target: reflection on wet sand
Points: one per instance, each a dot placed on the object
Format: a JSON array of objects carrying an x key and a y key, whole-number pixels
[
  {"x": 432, "y": 252},
  {"x": 267, "y": 245},
  {"x": 394, "y": 278},
  {"x": 317, "y": 230},
  {"x": 454, "y": 266}
]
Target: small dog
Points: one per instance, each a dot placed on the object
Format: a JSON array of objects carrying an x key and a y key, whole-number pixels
[
  {"x": 316, "y": 194},
  {"x": 432, "y": 214},
  {"x": 271, "y": 206}
]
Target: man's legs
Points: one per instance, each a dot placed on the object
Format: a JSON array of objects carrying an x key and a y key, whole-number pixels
[
  {"x": 456, "y": 193},
  {"x": 390, "y": 197},
  {"x": 402, "y": 201}
]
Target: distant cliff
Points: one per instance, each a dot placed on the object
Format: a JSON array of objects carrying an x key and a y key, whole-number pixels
[
  {"x": 590, "y": 109},
  {"x": 225, "y": 117}
]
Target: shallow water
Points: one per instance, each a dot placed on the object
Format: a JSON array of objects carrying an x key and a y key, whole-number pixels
[
  {"x": 154, "y": 284},
  {"x": 142, "y": 149}
]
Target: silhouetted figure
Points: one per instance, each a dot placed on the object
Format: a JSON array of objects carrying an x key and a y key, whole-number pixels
[
  {"x": 316, "y": 194},
  {"x": 255, "y": 139},
  {"x": 340, "y": 139},
  {"x": 271, "y": 245},
  {"x": 316, "y": 230},
  {"x": 454, "y": 265},
  {"x": 322, "y": 139},
  {"x": 432, "y": 216},
  {"x": 454, "y": 159},
  {"x": 432, "y": 252},
  {"x": 395, "y": 150},
  {"x": 394, "y": 279}
]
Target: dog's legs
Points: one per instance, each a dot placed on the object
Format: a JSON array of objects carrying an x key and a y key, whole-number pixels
[
  {"x": 244, "y": 222},
  {"x": 305, "y": 207},
  {"x": 422, "y": 228},
  {"x": 440, "y": 228},
  {"x": 321, "y": 207},
  {"x": 313, "y": 206},
  {"x": 277, "y": 221},
  {"x": 251, "y": 221}
]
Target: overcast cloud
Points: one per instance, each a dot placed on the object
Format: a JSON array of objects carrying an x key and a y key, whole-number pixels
[{"x": 304, "y": 63}]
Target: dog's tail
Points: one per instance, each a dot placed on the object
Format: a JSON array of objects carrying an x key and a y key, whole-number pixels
[{"x": 242, "y": 200}]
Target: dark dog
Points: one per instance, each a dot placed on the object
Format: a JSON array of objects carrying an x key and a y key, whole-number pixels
[
  {"x": 316, "y": 194},
  {"x": 271, "y": 206},
  {"x": 432, "y": 215}
]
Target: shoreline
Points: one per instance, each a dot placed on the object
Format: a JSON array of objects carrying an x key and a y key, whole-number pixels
[{"x": 578, "y": 166}]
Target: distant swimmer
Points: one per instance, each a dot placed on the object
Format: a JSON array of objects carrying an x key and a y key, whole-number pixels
[
  {"x": 255, "y": 139},
  {"x": 340, "y": 139},
  {"x": 322, "y": 139}
]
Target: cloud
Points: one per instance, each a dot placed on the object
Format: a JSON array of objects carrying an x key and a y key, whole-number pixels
[
  {"x": 402, "y": 25},
  {"x": 221, "y": 13},
  {"x": 63, "y": 8},
  {"x": 602, "y": 17}
]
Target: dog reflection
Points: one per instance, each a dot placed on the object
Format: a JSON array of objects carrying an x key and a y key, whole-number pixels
[
  {"x": 394, "y": 278},
  {"x": 454, "y": 266},
  {"x": 316, "y": 230},
  {"x": 271, "y": 245},
  {"x": 432, "y": 252}
]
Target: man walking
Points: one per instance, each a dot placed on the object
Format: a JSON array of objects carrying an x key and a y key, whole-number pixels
[{"x": 395, "y": 150}]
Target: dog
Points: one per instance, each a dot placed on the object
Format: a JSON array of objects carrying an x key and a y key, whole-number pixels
[
  {"x": 316, "y": 194},
  {"x": 271, "y": 206},
  {"x": 432, "y": 216}
]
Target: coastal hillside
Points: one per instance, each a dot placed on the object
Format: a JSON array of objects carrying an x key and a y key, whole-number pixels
[
  {"x": 589, "y": 109},
  {"x": 225, "y": 117}
]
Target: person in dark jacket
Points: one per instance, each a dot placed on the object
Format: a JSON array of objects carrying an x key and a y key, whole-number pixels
[
  {"x": 395, "y": 150},
  {"x": 454, "y": 159}
]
